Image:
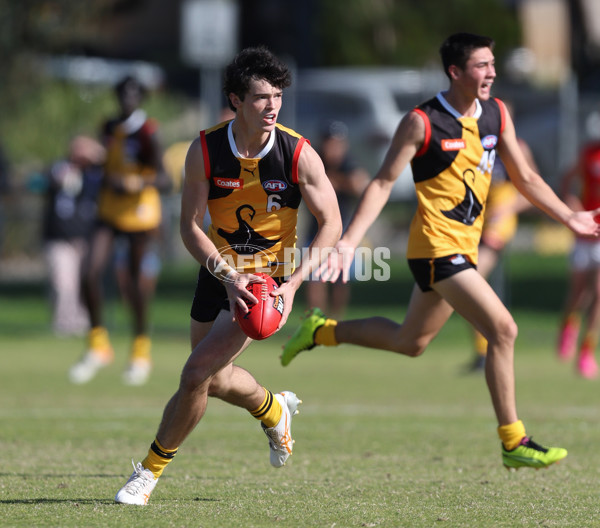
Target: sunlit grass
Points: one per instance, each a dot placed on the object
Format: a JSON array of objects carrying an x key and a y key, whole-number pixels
[{"x": 381, "y": 440}]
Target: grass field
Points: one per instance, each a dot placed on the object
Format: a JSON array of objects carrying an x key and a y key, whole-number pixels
[{"x": 381, "y": 440}]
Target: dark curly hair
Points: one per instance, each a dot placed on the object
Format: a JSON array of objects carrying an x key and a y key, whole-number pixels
[
  {"x": 254, "y": 64},
  {"x": 457, "y": 49}
]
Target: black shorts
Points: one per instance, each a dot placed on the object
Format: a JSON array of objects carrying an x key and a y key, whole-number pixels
[
  {"x": 210, "y": 297},
  {"x": 426, "y": 271}
]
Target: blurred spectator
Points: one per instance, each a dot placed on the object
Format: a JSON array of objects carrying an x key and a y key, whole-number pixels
[
  {"x": 129, "y": 207},
  {"x": 4, "y": 190},
  {"x": 72, "y": 193},
  {"x": 349, "y": 181},
  {"x": 580, "y": 189},
  {"x": 4, "y": 169}
]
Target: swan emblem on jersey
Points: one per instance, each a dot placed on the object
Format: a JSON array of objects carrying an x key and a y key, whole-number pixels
[
  {"x": 246, "y": 241},
  {"x": 467, "y": 211}
]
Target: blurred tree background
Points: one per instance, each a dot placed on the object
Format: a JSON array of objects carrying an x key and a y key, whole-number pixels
[
  {"x": 407, "y": 32},
  {"x": 40, "y": 113}
]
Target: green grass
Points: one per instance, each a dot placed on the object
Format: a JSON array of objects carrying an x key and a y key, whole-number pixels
[{"x": 381, "y": 440}]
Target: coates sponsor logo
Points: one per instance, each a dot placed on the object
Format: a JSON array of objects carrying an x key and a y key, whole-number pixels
[
  {"x": 229, "y": 183},
  {"x": 275, "y": 185},
  {"x": 453, "y": 144},
  {"x": 489, "y": 142}
]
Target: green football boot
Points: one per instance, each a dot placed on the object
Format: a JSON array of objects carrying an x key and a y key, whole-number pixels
[
  {"x": 530, "y": 454},
  {"x": 304, "y": 336}
]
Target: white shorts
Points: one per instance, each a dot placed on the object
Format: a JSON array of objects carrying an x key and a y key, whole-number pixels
[{"x": 585, "y": 255}]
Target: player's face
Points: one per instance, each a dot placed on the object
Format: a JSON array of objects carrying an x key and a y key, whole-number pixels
[
  {"x": 130, "y": 99},
  {"x": 478, "y": 74},
  {"x": 261, "y": 105}
]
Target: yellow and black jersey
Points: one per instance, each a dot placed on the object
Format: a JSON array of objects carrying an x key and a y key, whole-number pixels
[
  {"x": 498, "y": 230},
  {"x": 128, "y": 151},
  {"x": 253, "y": 202},
  {"x": 452, "y": 172}
]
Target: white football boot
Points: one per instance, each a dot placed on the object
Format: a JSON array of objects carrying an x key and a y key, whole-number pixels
[
  {"x": 280, "y": 436},
  {"x": 138, "y": 488},
  {"x": 98, "y": 355},
  {"x": 140, "y": 363},
  {"x": 137, "y": 372},
  {"x": 88, "y": 366}
]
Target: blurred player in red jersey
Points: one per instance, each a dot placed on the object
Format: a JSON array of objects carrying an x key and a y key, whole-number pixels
[{"x": 583, "y": 298}]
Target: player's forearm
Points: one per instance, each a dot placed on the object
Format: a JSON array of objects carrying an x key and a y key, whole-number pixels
[
  {"x": 201, "y": 248},
  {"x": 539, "y": 193}
]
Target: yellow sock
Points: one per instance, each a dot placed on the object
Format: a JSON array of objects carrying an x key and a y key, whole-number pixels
[
  {"x": 269, "y": 412},
  {"x": 99, "y": 343},
  {"x": 480, "y": 344},
  {"x": 158, "y": 457},
  {"x": 140, "y": 348},
  {"x": 511, "y": 434},
  {"x": 325, "y": 335},
  {"x": 98, "y": 338}
]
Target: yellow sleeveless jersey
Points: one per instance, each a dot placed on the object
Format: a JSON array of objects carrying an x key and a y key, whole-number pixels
[
  {"x": 500, "y": 228},
  {"x": 127, "y": 154},
  {"x": 253, "y": 202},
  {"x": 452, "y": 174}
]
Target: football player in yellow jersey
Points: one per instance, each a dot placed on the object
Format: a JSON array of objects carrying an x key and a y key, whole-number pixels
[
  {"x": 250, "y": 173},
  {"x": 129, "y": 207},
  {"x": 451, "y": 142}
]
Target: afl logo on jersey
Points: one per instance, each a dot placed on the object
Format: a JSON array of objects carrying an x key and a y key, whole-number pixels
[
  {"x": 275, "y": 185},
  {"x": 489, "y": 142}
]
